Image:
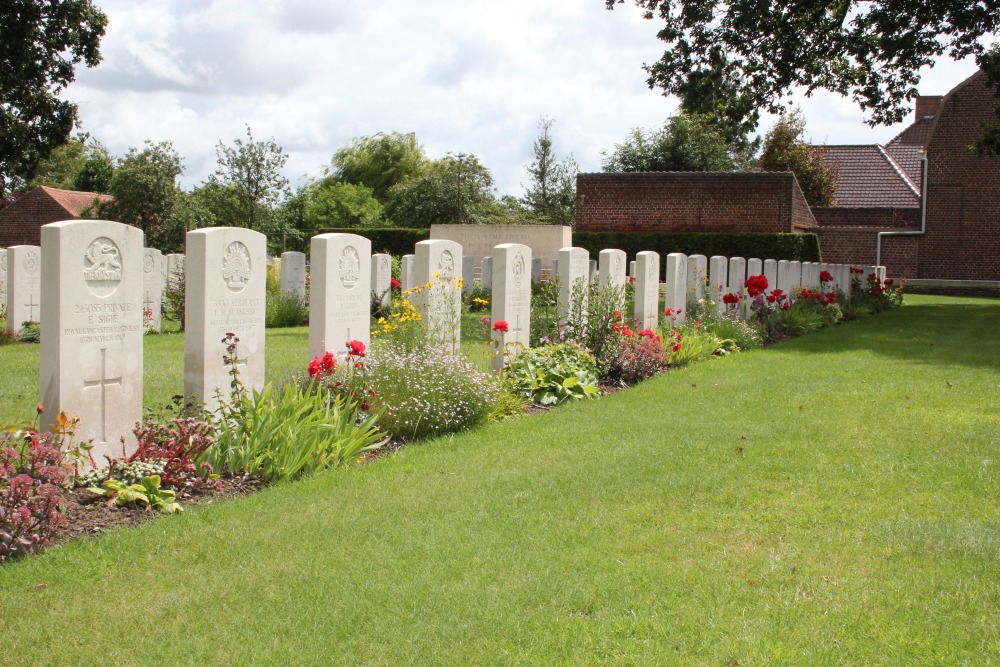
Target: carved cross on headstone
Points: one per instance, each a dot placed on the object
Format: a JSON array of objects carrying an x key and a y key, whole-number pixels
[
  {"x": 517, "y": 327},
  {"x": 147, "y": 304},
  {"x": 31, "y": 305},
  {"x": 103, "y": 382}
]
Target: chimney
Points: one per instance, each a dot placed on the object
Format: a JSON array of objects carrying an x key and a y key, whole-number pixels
[{"x": 927, "y": 105}]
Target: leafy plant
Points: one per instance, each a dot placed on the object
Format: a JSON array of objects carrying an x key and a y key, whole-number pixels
[
  {"x": 147, "y": 492},
  {"x": 553, "y": 374},
  {"x": 693, "y": 342},
  {"x": 30, "y": 332},
  {"x": 285, "y": 309},
  {"x": 639, "y": 357},
  {"x": 746, "y": 335}
]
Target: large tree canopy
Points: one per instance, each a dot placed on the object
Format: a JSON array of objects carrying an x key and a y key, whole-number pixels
[
  {"x": 744, "y": 55},
  {"x": 686, "y": 142},
  {"x": 41, "y": 41}
]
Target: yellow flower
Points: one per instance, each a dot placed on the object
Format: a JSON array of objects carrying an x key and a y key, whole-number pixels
[{"x": 435, "y": 275}]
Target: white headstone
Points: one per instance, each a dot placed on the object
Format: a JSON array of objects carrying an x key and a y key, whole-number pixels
[
  {"x": 175, "y": 270},
  {"x": 737, "y": 276},
  {"x": 293, "y": 273},
  {"x": 573, "y": 268},
  {"x": 880, "y": 273},
  {"x": 795, "y": 276},
  {"x": 676, "y": 288},
  {"x": 536, "y": 269},
  {"x": 152, "y": 288},
  {"x": 226, "y": 277},
  {"x": 611, "y": 267},
  {"x": 439, "y": 263},
  {"x": 810, "y": 275},
  {"x": 382, "y": 277},
  {"x": 784, "y": 279},
  {"x": 718, "y": 280},
  {"x": 486, "y": 273},
  {"x": 755, "y": 267},
  {"x": 406, "y": 272},
  {"x": 631, "y": 269},
  {"x": 3, "y": 277},
  {"x": 341, "y": 292},
  {"x": 647, "y": 289},
  {"x": 697, "y": 277},
  {"x": 92, "y": 330},
  {"x": 24, "y": 286},
  {"x": 593, "y": 270},
  {"x": 511, "y": 300},
  {"x": 771, "y": 273},
  {"x": 468, "y": 274}
]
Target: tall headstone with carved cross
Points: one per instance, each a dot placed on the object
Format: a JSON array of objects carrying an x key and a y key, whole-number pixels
[
  {"x": 340, "y": 294},
  {"x": 226, "y": 277},
  {"x": 382, "y": 278},
  {"x": 647, "y": 289},
  {"x": 676, "y": 288},
  {"x": 152, "y": 288},
  {"x": 293, "y": 273},
  {"x": 697, "y": 277},
  {"x": 511, "y": 302},
  {"x": 92, "y": 329},
  {"x": 24, "y": 286},
  {"x": 437, "y": 268},
  {"x": 573, "y": 268}
]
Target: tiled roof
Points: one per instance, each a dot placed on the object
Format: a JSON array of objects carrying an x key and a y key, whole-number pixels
[
  {"x": 73, "y": 201},
  {"x": 868, "y": 177},
  {"x": 906, "y": 147}
]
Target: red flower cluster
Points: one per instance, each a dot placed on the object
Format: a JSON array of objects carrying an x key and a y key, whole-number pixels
[
  {"x": 355, "y": 348},
  {"x": 501, "y": 326},
  {"x": 320, "y": 365},
  {"x": 648, "y": 333},
  {"x": 730, "y": 298},
  {"x": 755, "y": 285},
  {"x": 856, "y": 270},
  {"x": 670, "y": 312},
  {"x": 825, "y": 277},
  {"x": 823, "y": 299},
  {"x": 395, "y": 284},
  {"x": 676, "y": 337},
  {"x": 776, "y": 296}
]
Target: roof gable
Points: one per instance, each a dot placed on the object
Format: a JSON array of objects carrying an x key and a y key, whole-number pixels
[{"x": 868, "y": 177}]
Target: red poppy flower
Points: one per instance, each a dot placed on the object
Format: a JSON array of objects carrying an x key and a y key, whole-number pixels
[
  {"x": 328, "y": 362},
  {"x": 730, "y": 298},
  {"x": 355, "y": 348},
  {"x": 646, "y": 333},
  {"x": 500, "y": 325},
  {"x": 676, "y": 347},
  {"x": 315, "y": 369},
  {"x": 395, "y": 283},
  {"x": 784, "y": 306},
  {"x": 365, "y": 406},
  {"x": 825, "y": 277}
]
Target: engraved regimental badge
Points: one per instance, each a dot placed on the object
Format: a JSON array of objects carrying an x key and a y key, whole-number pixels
[
  {"x": 446, "y": 265},
  {"x": 350, "y": 267},
  {"x": 236, "y": 267},
  {"x": 102, "y": 266},
  {"x": 518, "y": 269}
]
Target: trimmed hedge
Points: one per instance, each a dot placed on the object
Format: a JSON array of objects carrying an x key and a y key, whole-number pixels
[
  {"x": 393, "y": 240},
  {"x": 801, "y": 247}
]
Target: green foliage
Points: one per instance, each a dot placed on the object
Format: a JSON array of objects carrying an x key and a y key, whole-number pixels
[
  {"x": 451, "y": 190},
  {"x": 282, "y": 434},
  {"x": 427, "y": 391},
  {"x": 378, "y": 162},
  {"x": 343, "y": 205},
  {"x": 686, "y": 142},
  {"x": 397, "y": 241},
  {"x": 41, "y": 44},
  {"x": 553, "y": 374},
  {"x": 144, "y": 187},
  {"x": 595, "y": 320},
  {"x": 79, "y": 164},
  {"x": 285, "y": 309},
  {"x": 786, "y": 150},
  {"x": 551, "y": 194},
  {"x": 250, "y": 172},
  {"x": 802, "y": 247},
  {"x": 30, "y": 332},
  {"x": 545, "y": 310},
  {"x": 746, "y": 335},
  {"x": 753, "y": 55},
  {"x": 696, "y": 343},
  {"x": 146, "y": 492}
]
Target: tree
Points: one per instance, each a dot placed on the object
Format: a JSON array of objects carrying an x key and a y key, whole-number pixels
[
  {"x": 684, "y": 143},
  {"x": 551, "y": 194},
  {"x": 451, "y": 190},
  {"x": 81, "y": 163},
  {"x": 786, "y": 150},
  {"x": 754, "y": 54},
  {"x": 144, "y": 189},
  {"x": 340, "y": 205},
  {"x": 41, "y": 42},
  {"x": 379, "y": 162},
  {"x": 251, "y": 172}
]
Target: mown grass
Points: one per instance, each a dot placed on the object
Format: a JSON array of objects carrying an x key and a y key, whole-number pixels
[{"x": 831, "y": 500}]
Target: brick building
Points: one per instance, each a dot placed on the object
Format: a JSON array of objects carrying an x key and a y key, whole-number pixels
[
  {"x": 691, "y": 202},
  {"x": 21, "y": 221},
  {"x": 879, "y": 189}
]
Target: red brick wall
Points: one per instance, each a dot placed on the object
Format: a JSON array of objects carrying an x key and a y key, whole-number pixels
[
  {"x": 880, "y": 218},
  {"x": 21, "y": 222},
  {"x": 963, "y": 190},
  {"x": 856, "y": 245},
  {"x": 690, "y": 202}
]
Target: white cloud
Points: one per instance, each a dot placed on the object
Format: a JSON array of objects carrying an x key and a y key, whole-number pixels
[{"x": 472, "y": 76}]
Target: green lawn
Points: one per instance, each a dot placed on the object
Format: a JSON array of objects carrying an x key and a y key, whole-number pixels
[{"x": 830, "y": 500}]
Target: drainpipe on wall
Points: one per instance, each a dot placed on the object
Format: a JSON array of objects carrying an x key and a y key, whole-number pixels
[{"x": 923, "y": 212}]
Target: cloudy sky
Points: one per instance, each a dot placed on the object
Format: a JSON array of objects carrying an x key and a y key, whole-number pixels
[{"x": 473, "y": 76}]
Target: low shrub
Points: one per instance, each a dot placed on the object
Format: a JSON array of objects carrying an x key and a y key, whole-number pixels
[
  {"x": 639, "y": 357},
  {"x": 553, "y": 374},
  {"x": 285, "y": 309},
  {"x": 427, "y": 390},
  {"x": 691, "y": 342},
  {"x": 746, "y": 335}
]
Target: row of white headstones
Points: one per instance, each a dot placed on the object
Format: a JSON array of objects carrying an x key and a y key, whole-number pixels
[{"x": 92, "y": 285}]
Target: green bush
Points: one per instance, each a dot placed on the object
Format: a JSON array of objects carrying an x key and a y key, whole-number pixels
[
  {"x": 801, "y": 247},
  {"x": 394, "y": 241},
  {"x": 285, "y": 309},
  {"x": 746, "y": 335},
  {"x": 552, "y": 374}
]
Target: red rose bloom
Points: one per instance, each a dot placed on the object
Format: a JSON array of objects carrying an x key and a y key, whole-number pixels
[
  {"x": 730, "y": 298},
  {"x": 825, "y": 277},
  {"x": 500, "y": 325},
  {"x": 355, "y": 348},
  {"x": 395, "y": 283},
  {"x": 756, "y": 285},
  {"x": 784, "y": 306}
]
